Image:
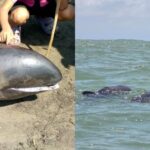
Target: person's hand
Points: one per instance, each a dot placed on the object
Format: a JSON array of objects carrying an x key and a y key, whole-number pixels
[{"x": 7, "y": 36}]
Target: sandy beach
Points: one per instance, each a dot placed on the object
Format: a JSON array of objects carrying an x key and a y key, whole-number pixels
[{"x": 45, "y": 121}]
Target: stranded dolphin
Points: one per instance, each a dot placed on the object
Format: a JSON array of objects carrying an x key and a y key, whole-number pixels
[
  {"x": 25, "y": 72},
  {"x": 106, "y": 91}
]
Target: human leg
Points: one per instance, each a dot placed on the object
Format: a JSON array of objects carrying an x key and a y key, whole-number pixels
[
  {"x": 46, "y": 23},
  {"x": 18, "y": 16},
  {"x": 67, "y": 14}
]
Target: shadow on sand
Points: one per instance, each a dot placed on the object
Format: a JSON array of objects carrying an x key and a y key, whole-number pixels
[{"x": 11, "y": 102}]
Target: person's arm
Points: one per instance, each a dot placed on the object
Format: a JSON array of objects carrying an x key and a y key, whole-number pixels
[{"x": 6, "y": 34}]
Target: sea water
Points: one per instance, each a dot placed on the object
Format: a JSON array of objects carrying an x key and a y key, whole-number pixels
[{"x": 112, "y": 123}]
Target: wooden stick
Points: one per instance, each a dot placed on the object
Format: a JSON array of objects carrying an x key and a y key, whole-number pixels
[{"x": 54, "y": 27}]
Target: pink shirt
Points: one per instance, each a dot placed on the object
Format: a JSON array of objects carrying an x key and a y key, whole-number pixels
[{"x": 30, "y": 3}]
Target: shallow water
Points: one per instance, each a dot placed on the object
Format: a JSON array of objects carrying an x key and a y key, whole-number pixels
[{"x": 112, "y": 123}]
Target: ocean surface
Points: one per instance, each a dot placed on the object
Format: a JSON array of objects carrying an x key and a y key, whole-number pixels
[{"x": 113, "y": 123}]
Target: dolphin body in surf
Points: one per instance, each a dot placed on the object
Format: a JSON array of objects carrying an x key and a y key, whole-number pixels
[
  {"x": 24, "y": 72},
  {"x": 107, "y": 91},
  {"x": 117, "y": 90},
  {"x": 143, "y": 98}
]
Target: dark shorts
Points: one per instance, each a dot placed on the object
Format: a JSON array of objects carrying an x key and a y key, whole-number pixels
[{"x": 46, "y": 11}]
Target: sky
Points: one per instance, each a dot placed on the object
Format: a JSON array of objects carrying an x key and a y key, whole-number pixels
[{"x": 113, "y": 19}]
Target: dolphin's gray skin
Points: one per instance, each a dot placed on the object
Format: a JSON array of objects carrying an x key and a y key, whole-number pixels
[
  {"x": 106, "y": 91},
  {"x": 117, "y": 90},
  {"x": 144, "y": 98},
  {"x": 23, "y": 71}
]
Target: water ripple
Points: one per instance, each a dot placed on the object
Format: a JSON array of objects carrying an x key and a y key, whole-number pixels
[{"x": 112, "y": 123}]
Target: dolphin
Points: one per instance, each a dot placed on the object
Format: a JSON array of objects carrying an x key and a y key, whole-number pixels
[
  {"x": 24, "y": 72},
  {"x": 143, "y": 98},
  {"x": 117, "y": 90},
  {"x": 107, "y": 91}
]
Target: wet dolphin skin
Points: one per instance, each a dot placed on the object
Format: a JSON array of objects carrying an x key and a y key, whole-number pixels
[
  {"x": 21, "y": 68},
  {"x": 106, "y": 91},
  {"x": 143, "y": 98}
]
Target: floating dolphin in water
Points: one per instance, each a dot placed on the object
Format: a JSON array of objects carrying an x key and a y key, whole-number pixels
[
  {"x": 117, "y": 90},
  {"x": 25, "y": 72},
  {"x": 106, "y": 91},
  {"x": 143, "y": 98}
]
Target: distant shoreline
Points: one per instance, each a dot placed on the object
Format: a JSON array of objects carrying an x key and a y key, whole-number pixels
[{"x": 111, "y": 40}]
